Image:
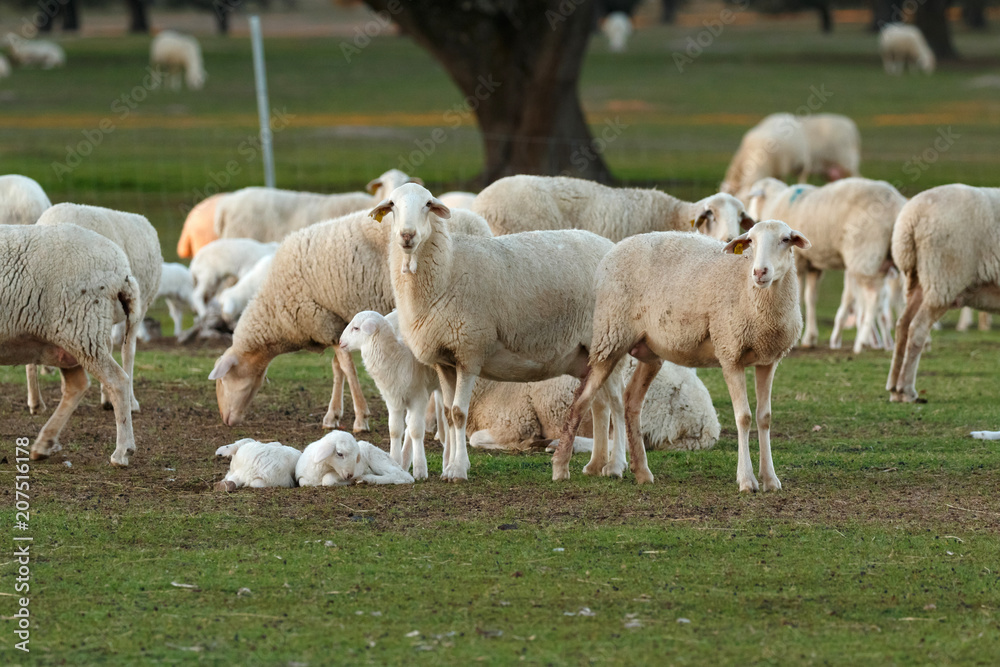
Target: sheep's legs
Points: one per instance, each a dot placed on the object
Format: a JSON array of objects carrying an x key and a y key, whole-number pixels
[
  {"x": 914, "y": 299},
  {"x": 358, "y": 402},
  {"x": 869, "y": 309},
  {"x": 458, "y": 465},
  {"x": 592, "y": 382},
  {"x": 74, "y": 384},
  {"x": 447, "y": 378},
  {"x": 736, "y": 381},
  {"x": 118, "y": 384},
  {"x": 36, "y": 403},
  {"x": 128, "y": 365},
  {"x": 415, "y": 427},
  {"x": 764, "y": 376},
  {"x": 843, "y": 311},
  {"x": 920, "y": 328},
  {"x": 177, "y": 315},
  {"x": 811, "y": 336},
  {"x": 336, "y": 409},
  {"x": 397, "y": 412},
  {"x": 635, "y": 394}
]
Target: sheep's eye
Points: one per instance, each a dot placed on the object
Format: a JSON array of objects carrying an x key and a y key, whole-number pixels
[
  {"x": 786, "y": 240},
  {"x": 339, "y": 455}
]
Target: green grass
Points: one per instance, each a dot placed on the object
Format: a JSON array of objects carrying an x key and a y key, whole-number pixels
[{"x": 881, "y": 547}]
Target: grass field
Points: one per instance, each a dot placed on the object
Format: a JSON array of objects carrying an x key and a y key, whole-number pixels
[{"x": 880, "y": 549}]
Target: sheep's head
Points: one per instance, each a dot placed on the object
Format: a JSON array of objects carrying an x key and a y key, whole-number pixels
[
  {"x": 771, "y": 245},
  {"x": 926, "y": 61},
  {"x": 237, "y": 377},
  {"x": 359, "y": 330},
  {"x": 721, "y": 216},
  {"x": 381, "y": 187},
  {"x": 332, "y": 460},
  {"x": 228, "y": 451},
  {"x": 760, "y": 192},
  {"x": 195, "y": 78},
  {"x": 412, "y": 207}
]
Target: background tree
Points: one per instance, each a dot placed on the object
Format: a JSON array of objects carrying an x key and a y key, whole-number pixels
[
  {"x": 50, "y": 10},
  {"x": 137, "y": 16}
]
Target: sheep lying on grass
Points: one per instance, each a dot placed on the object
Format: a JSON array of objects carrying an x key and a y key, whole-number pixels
[
  {"x": 337, "y": 459},
  {"x": 258, "y": 464},
  {"x": 35, "y": 52}
]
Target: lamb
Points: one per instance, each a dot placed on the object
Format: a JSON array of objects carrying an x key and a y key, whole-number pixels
[
  {"x": 23, "y": 200},
  {"x": 176, "y": 52},
  {"x": 617, "y": 27},
  {"x": 777, "y": 147},
  {"x": 458, "y": 199},
  {"x": 233, "y": 300},
  {"x": 78, "y": 284},
  {"x": 177, "y": 288},
  {"x": 525, "y": 203},
  {"x": 222, "y": 261},
  {"x": 531, "y": 320},
  {"x": 902, "y": 46},
  {"x": 199, "y": 227},
  {"x": 379, "y": 188},
  {"x": 834, "y": 145},
  {"x": 269, "y": 215},
  {"x": 946, "y": 244},
  {"x": 644, "y": 310},
  {"x": 850, "y": 224},
  {"x": 320, "y": 277},
  {"x": 258, "y": 465},
  {"x": 35, "y": 52},
  {"x": 338, "y": 459}
]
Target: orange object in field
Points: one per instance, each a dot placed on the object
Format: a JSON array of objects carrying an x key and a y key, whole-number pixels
[{"x": 199, "y": 228}]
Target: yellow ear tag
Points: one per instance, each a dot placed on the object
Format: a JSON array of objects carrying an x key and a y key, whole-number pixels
[
  {"x": 692, "y": 222},
  {"x": 738, "y": 249},
  {"x": 378, "y": 215}
]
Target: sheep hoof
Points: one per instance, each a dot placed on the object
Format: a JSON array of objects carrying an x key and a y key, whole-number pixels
[
  {"x": 643, "y": 477},
  {"x": 226, "y": 485},
  {"x": 36, "y": 409},
  {"x": 135, "y": 405},
  {"x": 770, "y": 484},
  {"x": 119, "y": 460},
  {"x": 560, "y": 474},
  {"x": 361, "y": 426},
  {"x": 748, "y": 485},
  {"x": 331, "y": 421},
  {"x": 594, "y": 468},
  {"x": 613, "y": 470},
  {"x": 37, "y": 456}
]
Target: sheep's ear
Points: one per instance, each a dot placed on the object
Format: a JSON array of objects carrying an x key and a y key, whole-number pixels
[
  {"x": 381, "y": 210},
  {"x": 373, "y": 185},
  {"x": 704, "y": 218},
  {"x": 738, "y": 245},
  {"x": 325, "y": 450},
  {"x": 438, "y": 208},
  {"x": 800, "y": 241},
  {"x": 368, "y": 327},
  {"x": 223, "y": 366},
  {"x": 415, "y": 179},
  {"x": 746, "y": 222}
]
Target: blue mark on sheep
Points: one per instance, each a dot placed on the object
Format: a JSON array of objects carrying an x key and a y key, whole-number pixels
[{"x": 796, "y": 192}]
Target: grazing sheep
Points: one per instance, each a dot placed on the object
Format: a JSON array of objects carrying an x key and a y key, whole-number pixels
[
  {"x": 458, "y": 199},
  {"x": 320, "y": 277},
  {"x": 22, "y": 200},
  {"x": 648, "y": 307},
  {"x": 199, "y": 227},
  {"x": 850, "y": 225},
  {"x": 78, "y": 283},
  {"x": 222, "y": 263},
  {"x": 175, "y": 52},
  {"x": 777, "y": 147},
  {"x": 177, "y": 288},
  {"x": 258, "y": 465},
  {"x": 379, "y": 188},
  {"x": 834, "y": 145},
  {"x": 269, "y": 215},
  {"x": 904, "y": 45},
  {"x": 337, "y": 459},
  {"x": 528, "y": 320},
  {"x": 35, "y": 52},
  {"x": 233, "y": 300},
  {"x": 4, "y": 67},
  {"x": 617, "y": 27},
  {"x": 527, "y": 203},
  {"x": 946, "y": 244}
]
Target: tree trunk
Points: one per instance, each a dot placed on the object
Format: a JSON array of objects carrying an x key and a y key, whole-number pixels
[
  {"x": 883, "y": 13},
  {"x": 518, "y": 63},
  {"x": 668, "y": 11},
  {"x": 825, "y": 17},
  {"x": 931, "y": 17},
  {"x": 974, "y": 14},
  {"x": 71, "y": 17},
  {"x": 137, "y": 13}
]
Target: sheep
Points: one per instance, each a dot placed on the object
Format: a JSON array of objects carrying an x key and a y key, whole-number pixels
[
  {"x": 269, "y": 215},
  {"x": 379, "y": 188},
  {"x": 777, "y": 146},
  {"x": 233, "y": 300},
  {"x": 525, "y": 203},
  {"x": 258, "y": 465},
  {"x": 458, "y": 199},
  {"x": 834, "y": 145},
  {"x": 337, "y": 459},
  {"x": 177, "y": 288},
  {"x": 946, "y": 244},
  {"x": 904, "y": 45},
  {"x": 4, "y": 67},
  {"x": 965, "y": 320},
  {"x": 850, "y": 225},
  {"x": 320, "y": 277},
  {"x": 132, "y": 233},
  {"x": 648, "y": 308},
  {"x": 617, "y": 27},
  {"x": 176, "y": 52},
  {"x": 77, "y": 283},
  {"x": 223, "y": 261},
  {"x": 199, "y": 227},
  {"x": 35, "y": 52},
  {"x": 22, "y": 200},
  {"x": 529, "y": 320}
]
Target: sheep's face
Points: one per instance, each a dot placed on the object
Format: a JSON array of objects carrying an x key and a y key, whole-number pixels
[
  {"x": 722, "y": 217},
  {"x": 760, "y": 193},
  {"x": 381, "y": 187},
  {"x": 360, "y": 329},
  {"x": 237, "y": 380},
  {"x": 770, "y": 244},
  {"x": 412, "y": 207},
  {"x": 332, "y": 460}
]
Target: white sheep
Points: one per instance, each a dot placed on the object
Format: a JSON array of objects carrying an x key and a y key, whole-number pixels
[
  {"x": 177, "y": 289},
  {"x": 777, "y": 147},
  {"x": 904, "y": 45},
  {"x": 337, "y": 459},
  {"x": 379, "y": 188},
  {"x": 233, "y": 300},
  {"x": 176, "y": 52},
  {"x": 78, "y": 284},
  {"x": 223, "y": 262},
  {"x": 22, "y": 200},
  {"x": 320, "y": 277},
  {"x": 4, "y": 67},
  {"x": 946, "y": 244},
  {"x": 458, "y": 199},
  {"x": 617, "y": 27},
  {"x": 659, "y": 298},
  {"x": 258, "y": 465},
  {"x": 850, "y": 225},
  {"x": 511, "y": 308},
  {"x": 526, "y": 203},
  {"x": 834, "y": 145},
  {"x": 269, "y": 214},
  {"x": 35, "y": 52}
]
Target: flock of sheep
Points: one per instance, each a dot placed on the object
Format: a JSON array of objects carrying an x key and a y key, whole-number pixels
[{"x": 476, "y": 314}]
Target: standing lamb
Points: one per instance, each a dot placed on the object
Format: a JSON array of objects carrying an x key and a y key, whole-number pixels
[
  {"x": 648, "y": 307},
  {"x": 834, "y": 145},
  {"x": 337, "y": 459},
  {"x": 175, "y": 52},
  {"x": 946, "y": 244},
  {"x": 177, "y": 288},
  {"x": 258, "y": 465},
  {"x": 77, "y": 284},
  {"x": 35, "y": 52},
  {"x": 269, "y": 215},
  {"x": 777, "y": 147},
  {"x": 527, "y": 203},
  {"x": 199, "y": 227},
  {"x": 22, "y": 200},
  {"x": 904, "y": 46},
  {"x": 850, "y": 225},
  {"x": 512, "y": 308},
  {"x": 221, "y": 262}
]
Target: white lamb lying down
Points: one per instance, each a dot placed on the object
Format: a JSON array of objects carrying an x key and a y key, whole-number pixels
[
  {"x": 986, "y": 435},
  {"x": 338, "y": 459},
  {"x": 258, "y": 464}
]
